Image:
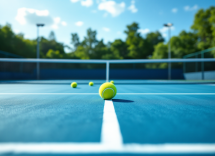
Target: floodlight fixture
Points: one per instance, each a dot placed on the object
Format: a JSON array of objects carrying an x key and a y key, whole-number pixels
[
  {"x": 40, "y": 25},
  {"x": 168, "y": 25}
]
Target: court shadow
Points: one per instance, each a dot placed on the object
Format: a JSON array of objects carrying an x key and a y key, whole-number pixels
[{"x": 122, "y": 100}]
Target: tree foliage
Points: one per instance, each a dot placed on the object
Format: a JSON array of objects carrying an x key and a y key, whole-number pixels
[{"x": 135, "y": 46}]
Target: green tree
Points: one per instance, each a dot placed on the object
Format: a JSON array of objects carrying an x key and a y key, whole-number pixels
[
  {"x": 46, "y": 44},
  {"x": 16, "y": 44},
  {"x": 161, "y": 52},
  {"x": 81, "y": 53},
  {"x": 54, "y": 54},
  {"x": 86, "y": 48},
  {"x": 204, "y": 27},
  {"x": 75, "y": 40},
  {"x": 120, "y": 48},
  {"x": 153, "y": 38},
  {"x": 137, "y": 46},
  {"x": 183, "y": 44},
  {"x": 52, "y": 36},
  {"x": 99, "y": 50}
]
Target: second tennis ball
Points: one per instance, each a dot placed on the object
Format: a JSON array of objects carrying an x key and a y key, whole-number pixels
[
  {"x": 91, "y": 83},
  {"x": 74, "y": 84}
]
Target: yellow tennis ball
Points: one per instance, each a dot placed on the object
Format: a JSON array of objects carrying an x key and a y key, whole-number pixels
[
  {"x": 74, "y": 84},
  {"x": 112, "y": 81},
  {"x": 107, "y": 91},
  {"x": 91, "y": 83}
]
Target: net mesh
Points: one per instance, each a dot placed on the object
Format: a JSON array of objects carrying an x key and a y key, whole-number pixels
[{"x": 12, "y": 70}]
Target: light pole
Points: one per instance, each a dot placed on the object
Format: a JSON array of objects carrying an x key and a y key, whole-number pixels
[
  {"x": 38, "y": 50},
  {"x": 169, "y": 53}
]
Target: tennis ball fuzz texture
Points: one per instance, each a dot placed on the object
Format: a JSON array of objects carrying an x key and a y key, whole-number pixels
[
  {"x": 74, "y": 84},
  {"x": 91, "y": 83},
  {"x": 112, "y": 81},
  {"x": 107, "y": 91}
]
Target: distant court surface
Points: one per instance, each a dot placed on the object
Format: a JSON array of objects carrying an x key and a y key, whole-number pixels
[{"x": 145, "y": 118}]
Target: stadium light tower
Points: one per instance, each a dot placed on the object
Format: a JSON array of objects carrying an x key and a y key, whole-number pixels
[
  {"x": 168, "y": 25},
  {"x": 38, "y": 49}
]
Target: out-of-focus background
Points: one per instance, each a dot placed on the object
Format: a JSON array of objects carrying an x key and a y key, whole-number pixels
[
  {"x": 107, "y": 29},
  {"x": 160, "y": 55}
]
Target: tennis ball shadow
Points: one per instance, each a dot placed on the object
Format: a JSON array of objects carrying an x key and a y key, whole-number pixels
[
  {"x": 122, "y": 100},
  {"x": 77, "y": 88}
]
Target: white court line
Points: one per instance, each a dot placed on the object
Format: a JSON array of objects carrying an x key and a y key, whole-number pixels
[
  {"x": 111, "y": 135},
  {"x": 166, "y": 93},
  {"x": 49, "y": 93},
  {"x": 98, "y": 93},
  {"x": 71, "y": 148},
  {"x": 111, "y": 142}
]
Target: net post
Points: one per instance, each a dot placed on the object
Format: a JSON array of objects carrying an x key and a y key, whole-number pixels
[
  {"x": 202, "y": 55},
  {"x": 107, "y": 71}
]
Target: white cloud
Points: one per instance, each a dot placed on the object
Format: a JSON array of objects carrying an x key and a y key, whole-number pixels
[
  {"x": 56, "y": 22},
  {"x": 112, "y": 7},
  {"x": 164, "y": 30},
  {"x": 64, "y": 23},
  {"x": 143, "y": 31},
  {"x": 87, "y": 3},
  {"x": 27, "y": 36},
  {"x": 32, "y": 16},
  {"x": 74, "y": 1},
  {"x": 174, "y": 10},
  {"x": 106, "y": 29},
  {"x": 79, "y": 23},
  {"x": 188, "y": 8},
  {"x": 54, "y": 26},
  {"x": 132, "y": 7},
  {"x": 16, "y": 31}
]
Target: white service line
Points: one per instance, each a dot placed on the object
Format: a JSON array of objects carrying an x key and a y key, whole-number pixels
[{"x": 165, "y": 93}]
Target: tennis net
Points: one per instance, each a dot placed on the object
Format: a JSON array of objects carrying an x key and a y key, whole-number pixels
[{"x": 131, "y": 69}]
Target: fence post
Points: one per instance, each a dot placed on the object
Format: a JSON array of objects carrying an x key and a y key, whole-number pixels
[
  {"x": 107, "y": 71},
  {"x": 202, "y": 55},
  {"x": 196, "y": 64},
  {"x": 184, "y": 67}
]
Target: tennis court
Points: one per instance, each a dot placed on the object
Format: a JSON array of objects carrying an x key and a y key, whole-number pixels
[{"x": 146, "y": 117}]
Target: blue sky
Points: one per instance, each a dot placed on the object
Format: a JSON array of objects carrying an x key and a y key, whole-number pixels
[{"x": 108, "y": 17}]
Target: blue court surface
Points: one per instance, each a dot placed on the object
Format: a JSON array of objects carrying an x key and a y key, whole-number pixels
[{"x": 144, "y": 118}]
